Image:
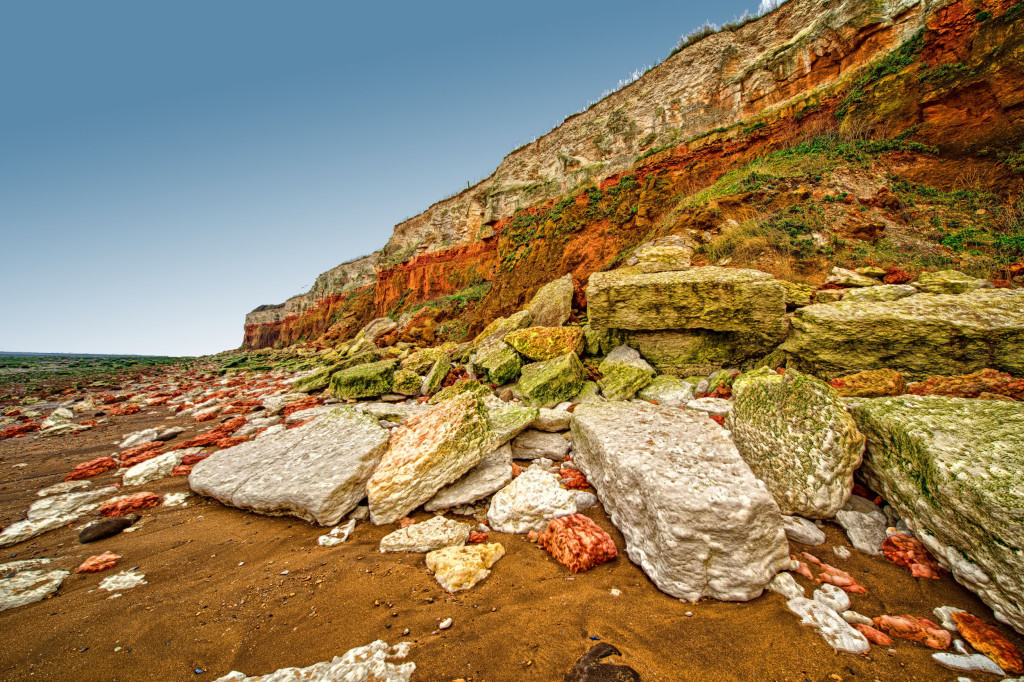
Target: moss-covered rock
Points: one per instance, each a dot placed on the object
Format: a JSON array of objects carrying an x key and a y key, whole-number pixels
[
  {"x": 953, "y": 468},
  {"x": 949, "y": 282},
  {"x": 591, "y": 340},
  {"x": 547, "y": 383},
  {"x": 797, "y": 295},
  {"x": 316, "y": 381},
  {"x": 407, "y": 382},
  {"x": 685, "y": 352},
  {"x": 873, "y": 383},
  {"x": 849, "y": 278},
  {"x": 435, "y": 377},
  {"x": 552, "y": 304},
  {"x": 458, "y": 388},
  {"x": 508, "y": 421},
  {"x": 625, "y": 373},
  {"x": 589, "y": 393},
  {"x": 796, "y": 435},
  {"x": 501, "y": 327},
  {"x": 500, "y": 360},
  {"x": 545, "y": 343},
  {"x": 918, "y": 336},
  {"x": 420, "y": 361},
  {"x": 882, "y": 292},
  {"x": 668, "y": 390},
  {"x": 364, "y": 381}
]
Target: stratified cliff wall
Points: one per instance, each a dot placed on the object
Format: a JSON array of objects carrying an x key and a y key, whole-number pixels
[{"x": 811, "y": 65}]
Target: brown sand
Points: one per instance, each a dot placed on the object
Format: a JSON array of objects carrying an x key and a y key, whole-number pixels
[{"x": 218, "y": 600}]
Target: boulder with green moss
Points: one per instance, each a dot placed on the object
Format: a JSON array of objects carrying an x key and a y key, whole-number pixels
[
  {"x": 500, "y": 360},
  {"x": 797, "y": 295},
  {"x": 625, "y": 373},
  {"x": 589, "y": 392},
  {"x": 949, "y": 282},
  {"x": 686, "y": 352},
  {"x": 872, "y": 383},
  {"x": 317, "y": 380},
  {"x": 547, "y": 383},
  {"x": 918, "y": 336},
  {"x": 666, "y": 389},
  {"x": 508, "y": 421},
  {"x": 796, "y": 435},
  {"x": 364, "y": 381},
  {"x": 406, "y": 382},
  {"x": 435, "y": 376},
  {"x": 882, "y": 292},
  {"x": 544, "y": 343},
  {"x": 458, "y": 388},
  {"x": 503, "y": 326},
  {"x": 552, "y": 304},
  {"x": 953, "y": 468},
  {"x": 420, "y": 361}
]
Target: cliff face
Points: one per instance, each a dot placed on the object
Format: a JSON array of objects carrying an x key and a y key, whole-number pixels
[{"x": 581, "y": 196}]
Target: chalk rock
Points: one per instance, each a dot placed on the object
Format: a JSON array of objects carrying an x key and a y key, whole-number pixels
[
  {"x": 337, "y": 535},
  {"x": 125, "y": 580},
  {"x": 797, "y": 437},
  {"x": 428, "y": 453},
  {"x": 53, "y": 512},
  {"x": 370, "y": 663},
  {"x": 785, "y": 585},
  {"x": 803, "y": 531},
  {"x": 829, "y": 624},
  {"x": 317, "y": 472},
  {"x": 138, "y": 438},
  {"x": 492, "y": 474},
  {"x": 554, "y": 421},
  {"x": 531, "y": 500},
  {"x": 461, "y": 567},
  {"x": 551, "y": 306},
  {"x": 718, "y": 407},
  {"x": 533, "y": 444},
  {"x": 667, "y": 390},
  {"x": 953, "y": 469},
  {"x": 577, "y": 543},
  {"x": 832, "y": 597},
  {"x": 508, "y": 421},
  {"x": 865, "y": 531},
  {"x": 427, "y": 536},
  {"x": 160, "y": 466},
  {"x": 695, "y": 518},
  {"x": 625, "y": 373},
  {"x": 22, "y": 582},
  {"x": 274, "y": 404}
]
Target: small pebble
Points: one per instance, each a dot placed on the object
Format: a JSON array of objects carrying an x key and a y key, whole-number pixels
[
  {"x": 688, "y": 614},
  {"x": 616, "y": 592},
  {"x": 284, "y": 572},
  {"x": 445, "y": 624}
]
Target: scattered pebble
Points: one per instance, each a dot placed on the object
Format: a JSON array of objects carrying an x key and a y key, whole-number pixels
[{"x": 445, "y": 624}]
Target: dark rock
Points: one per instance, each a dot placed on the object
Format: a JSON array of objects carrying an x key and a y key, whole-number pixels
[
  {"x": 590, "y": 669},
  {"x": 106, "y": 528}
]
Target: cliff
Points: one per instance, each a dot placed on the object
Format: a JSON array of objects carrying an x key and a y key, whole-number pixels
[{"x": 937, "y": 82}]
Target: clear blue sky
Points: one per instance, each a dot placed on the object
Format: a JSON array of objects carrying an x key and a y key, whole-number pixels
[{"x": 167, "y": 167}]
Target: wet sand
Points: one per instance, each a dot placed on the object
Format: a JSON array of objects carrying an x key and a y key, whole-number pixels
[{"x": 218, "y": 599}]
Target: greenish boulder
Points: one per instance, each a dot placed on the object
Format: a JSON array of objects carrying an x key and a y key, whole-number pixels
[
  {"x": 829, "y": 295},
  {"x": 774, "y": 360},
  {"x": 501, "y": 327},
  {"x": 949, "y": 282},
  {"x": 686, "y": 352},
  {"x": 458, "y": 388},
  {"x": 918, "y": 336},
  {"x": 872, "y": 271},
  {"x": 435, "y": 377},
  {"x": 797, "y": 295},
  {"x": 407, "y": 382},
  {"x": 589, "y": 393},
  {"x": 544, "y": 343},
  {"x": 625, "y": 373},
  {"x": 360, "y": 358},
  {"x": 953, "y": 468},
  {"x": 849, "y": 278},
  {"x": 507, "y": 422},
  {"x": 667, "y": 390},
  {"x": 316, "y": 381},
  {"x": 552, "y": 304},
  {"x": 796, "y": 435},
  {"x": 882, "y": 292},
  {"x": 711, "y": 298},
  {"x": 547, "y": 383},
  {"x": 591, "y": 340},
  {"x": 420, "y": 361},
  {"x": 500, "y": 360},
  {"x": 364, "y": 381}
]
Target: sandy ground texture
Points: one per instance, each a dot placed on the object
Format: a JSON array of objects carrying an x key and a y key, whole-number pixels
[{"x": 231, "y": 590}]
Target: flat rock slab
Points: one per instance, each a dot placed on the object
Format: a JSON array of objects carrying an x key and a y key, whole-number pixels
[
  {"x": 462, "y": 567},
  {"x": 919, "y": 336},
  {"x": 712, "y": 298},
  {"x": 428, "y": 453},
  {"x": 953, "y": 468},
  {"x": 25, "y": 582},
  {"x": 492, "y": 474},
  {"x": 694, "y": 516},
  {"x": 427, "y": 536},
  {"x": 317, "y": 472}
]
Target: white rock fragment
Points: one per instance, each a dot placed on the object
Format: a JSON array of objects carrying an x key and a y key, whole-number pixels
[
  {"x": 461, "y": 567},
  {"x": 968, "y": 662},
  {"x": 138, "y": 438},
  {"x": 803, "y": 531},
  {"x": 552, "y": 420},
  {"x": 841, "y": 551},
  {"x": 22, "y": 582},
  {"x": 718, "y": 407},
  {"x": 159, "y": 467},
  {"x": 695, "y": 518},
  {"x": 427, "y": 536},
  {"x": 839, "y": 634},
  {"x": 53, "y": 512},
  {"x": 832, "y": 597},
  {"x": 63, "y": 487},
  {"x": 337, "y": 535},
  {"x": 125, "y": 580},
  {"x": 854, "y": 618},
  {"x": 175, "y": 500},
  {"x": 530, "y": 501},
  {"x": 370, "y": 663},
  {"x": 493, "y": 473},
  {"x": 784, "y": 584},
  {"x": 534, "y": 444},
  {"x": 945, "y": 616},
  {"x": 865, "y": 531},
  {"x": 445, "y": 624}
]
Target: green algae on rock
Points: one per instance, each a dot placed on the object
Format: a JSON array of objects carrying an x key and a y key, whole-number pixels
[
  {"x": 953, "y": 468},
  {"x": 625, "y": 373},
  {"x": 918, "y": 336},
  {"x": 364, "y": 381},
  {"x": 406, "y": 382},
  {"x": 318, "y": 380},
  {"x": 872, "y": 383},
  {"x": 545, "y": 343},
  {"x": 949, "y": 282},
  {"x": 435, "y": 377},
  {"x": 547, "y": 383},
  {"x": 500, "y": 360},
  {"x": 458, "y": 388},
  {"x": 797, "y": 437}
]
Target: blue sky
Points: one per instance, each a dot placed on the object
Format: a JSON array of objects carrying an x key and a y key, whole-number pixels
[{"x": 165, "y": 168}]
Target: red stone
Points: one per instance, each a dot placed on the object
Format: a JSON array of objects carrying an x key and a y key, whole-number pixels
[
  {"x": 872, "y": 383},
  {"x": 722, "y": 391},
  {"x": 89, "y": 422},
  {"x": 141, "y": 457},
  {"x": 895, "y": 275},
  {"x": 516, "y": 470},
  {"x": 192, "y": 459},
  {"x": 989, "y": 641},
  {"x": 231, "y": 442},
  {"x": 182, "y": 470},
  {"x": 573, "y": 479},
  {"x": 206, "y": 416},
  {"x": 298, "y": 424},
  {"x": 840, "y": 578},
  {"x": 971, "y": 385},
  {"x": 299, "y": 405},
  {"x": 139, "y": 449},
  {"x": 93, "y": 467},
  {"x": 874, "y": 636},
  {"x": 718, "y": 419},
  {"x": 119, "y": 506},
  {"x": 405, "y": 523},
  {"x": 909, "y": 553},
  {"x": 577, "y": 542},
  {"x": 19, "y": 430},
  {"x": 915, "y": 629},
  {"x": 129, "y": 409},
  {"x": 475, "y": 538},
  {"x": 99, "y": 562}
]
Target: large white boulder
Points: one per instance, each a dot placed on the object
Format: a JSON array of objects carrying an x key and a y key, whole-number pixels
[
  {"x": 531, "y": 500},
  {"x": 317, "y": 472},
  {"x": 695, "y": 518}
]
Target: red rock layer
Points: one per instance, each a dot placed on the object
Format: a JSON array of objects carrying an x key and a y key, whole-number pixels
[
  {"x": 119, "y": 506},
  {"x": 100, "y": 562},
  {"x": 989, "y": 641},
  {"x": 577, "y": 542},
  {"x": 94, "y": 467},
  {"x": 915, "y": 629}
]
